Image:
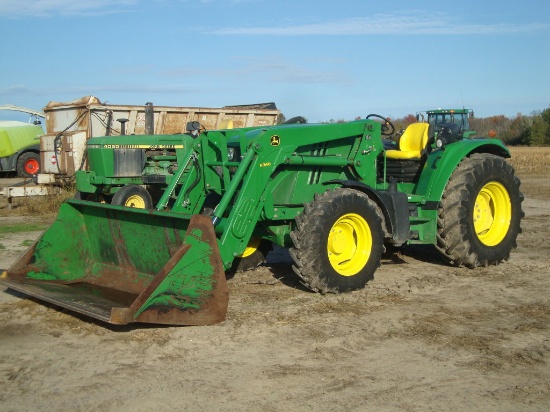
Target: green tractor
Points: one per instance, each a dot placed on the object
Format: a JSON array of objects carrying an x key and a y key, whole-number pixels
[
  {"x": 454, "y": 118},
  {"x": 330, "y": 193}
]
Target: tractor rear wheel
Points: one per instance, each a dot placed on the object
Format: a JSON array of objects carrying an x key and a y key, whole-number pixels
[
  {"x": 133, "y": 196},
  {"x": 480, "y": 212},
  {"x": 338, "y": 241}
]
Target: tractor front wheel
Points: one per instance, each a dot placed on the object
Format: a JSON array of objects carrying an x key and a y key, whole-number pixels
[
  {"x": 253, "y": 256},
  {"x": 338, "y": 241},
  {"x": 480, "y": 212},
  {"x": 133, "y": 196}
]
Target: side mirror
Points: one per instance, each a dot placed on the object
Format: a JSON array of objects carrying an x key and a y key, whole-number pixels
[{"x": 193, "y": 126}]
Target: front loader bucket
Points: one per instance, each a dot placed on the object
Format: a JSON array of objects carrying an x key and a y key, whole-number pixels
[{"x": 123, "y": 265}]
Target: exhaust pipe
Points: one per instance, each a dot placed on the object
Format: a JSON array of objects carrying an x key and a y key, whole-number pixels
[
  {"x": 109, "y": 123},
  {"x": 149, "y": 118},
  {"x": 122, "y": 126}
]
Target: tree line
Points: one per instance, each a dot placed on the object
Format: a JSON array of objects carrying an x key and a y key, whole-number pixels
[
  {"x": 531, "y": 130},
  {"x": 521, "y": 130}
]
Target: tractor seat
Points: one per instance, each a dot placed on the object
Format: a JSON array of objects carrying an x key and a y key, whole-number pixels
[{"x": 411, "y": 143}]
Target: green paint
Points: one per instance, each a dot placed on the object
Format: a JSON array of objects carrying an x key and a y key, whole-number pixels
[{"x": 189, "y": 282}]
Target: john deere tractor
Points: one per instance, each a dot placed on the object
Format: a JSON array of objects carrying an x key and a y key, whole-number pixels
[
  {"x": 330, "y": 193},
  {"x": 455, "y": 118}
]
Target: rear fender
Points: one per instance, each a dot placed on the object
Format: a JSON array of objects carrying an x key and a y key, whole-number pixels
[{"x": 442, "y": 163}]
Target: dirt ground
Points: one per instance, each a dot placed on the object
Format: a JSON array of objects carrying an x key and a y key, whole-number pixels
[{"x": 423, "y": 336}]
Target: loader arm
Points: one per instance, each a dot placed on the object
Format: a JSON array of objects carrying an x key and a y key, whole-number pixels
[{"x": 275, "y": 161}]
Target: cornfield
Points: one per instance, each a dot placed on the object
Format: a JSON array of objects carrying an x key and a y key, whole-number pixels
[{"x": 530, "y": 159}]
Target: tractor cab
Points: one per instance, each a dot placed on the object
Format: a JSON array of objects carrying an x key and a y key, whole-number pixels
[{"x": 454, "y": 122}]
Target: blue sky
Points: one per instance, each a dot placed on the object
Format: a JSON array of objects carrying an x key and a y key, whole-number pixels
[{"x": 319, "y": 59}]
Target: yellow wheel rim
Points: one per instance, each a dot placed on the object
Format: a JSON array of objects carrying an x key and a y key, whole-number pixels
[
  {"x": 349, "y": 244},
  {"x": 252, "y": 247},
  {"x": 492, "y": 213},
  {"x": 135, "y": 201}
]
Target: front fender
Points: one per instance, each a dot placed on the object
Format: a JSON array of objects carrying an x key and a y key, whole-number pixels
[{"x": 442, "y": 163}]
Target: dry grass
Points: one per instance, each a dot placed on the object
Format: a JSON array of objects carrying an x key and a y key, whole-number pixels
[
  {"x": 36, "y": 205},
  {"x": 530, "y": 159}
]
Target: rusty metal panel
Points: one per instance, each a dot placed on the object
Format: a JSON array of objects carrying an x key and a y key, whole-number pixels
[
  {"x": 209, "y": 120},
  {"x": 239, "y": 120},
  {"x": 102, "y": 268},
  {"x": 62, "y": 154},
  {"x": 94, "y": 117},
  {"x": 263, "y": 120},
  {"x": 136, "y": 125},
  {"x": 175, "y": 122},
  {"x": 60, "y": 116}
]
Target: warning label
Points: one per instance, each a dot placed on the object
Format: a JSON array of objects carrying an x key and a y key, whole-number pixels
[{"x": 143, "y": 146}]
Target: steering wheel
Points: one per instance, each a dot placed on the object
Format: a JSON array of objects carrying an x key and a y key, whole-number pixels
[{"x": 387, "y": 127}]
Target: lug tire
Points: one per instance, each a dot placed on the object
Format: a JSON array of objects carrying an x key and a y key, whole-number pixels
[
  {"x": 254, "y": 255},
  {"x": 480, "y": 212},
  {"x": 28, "y": 164},
  {"x": 133, "y": 196},
  {"x": 338, "y": 241}
]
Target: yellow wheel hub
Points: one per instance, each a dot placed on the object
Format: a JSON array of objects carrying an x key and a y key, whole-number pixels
[
  {"x": 252, "y": 247},
  {"x": 492, "y": 213},
  {"x": 135, "y": 201},
  {"x": 349, "y": 244}
]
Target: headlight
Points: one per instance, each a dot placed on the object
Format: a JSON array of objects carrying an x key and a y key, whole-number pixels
[
  {"x": 230, "y": 153},
  {"x": 233, "y": 154}
]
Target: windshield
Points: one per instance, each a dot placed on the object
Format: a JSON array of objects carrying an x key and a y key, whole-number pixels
[{"x": 460, "y": 119}]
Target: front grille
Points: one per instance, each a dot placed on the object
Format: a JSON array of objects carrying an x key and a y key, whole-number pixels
[{"x": 129, "y": 162}]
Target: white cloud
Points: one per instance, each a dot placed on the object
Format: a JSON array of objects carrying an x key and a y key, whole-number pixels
[
  {"x": 49, "y": 8},
  {"x": 413, "y": 23}
]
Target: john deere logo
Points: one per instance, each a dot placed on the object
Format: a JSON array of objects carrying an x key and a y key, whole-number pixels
[{"x": 275, "y": 140}]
